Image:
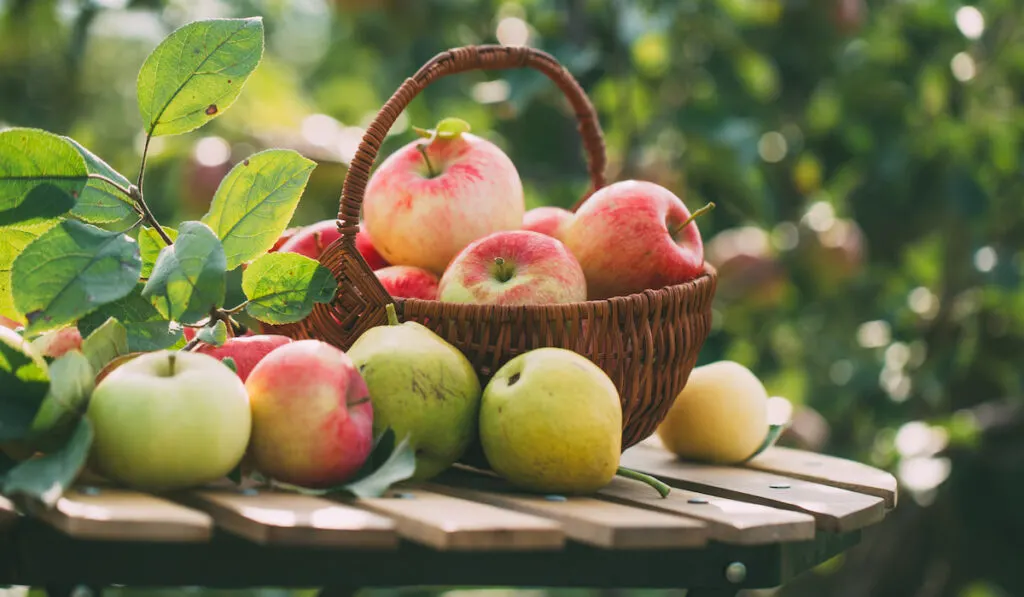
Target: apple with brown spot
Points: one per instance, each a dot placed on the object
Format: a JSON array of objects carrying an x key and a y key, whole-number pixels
[
  {"x": 518, "y": 267},
  {"x": 408, "y": 281},
  {"x": 632, "y": 236},
  {"x": 312, "y": 419},
  {"x": 431, "y": 198}
]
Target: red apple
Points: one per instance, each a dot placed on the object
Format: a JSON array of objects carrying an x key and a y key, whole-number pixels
[
  {"x": 246, "y": 351},
  {"x": 423, "y": 208},
  {"x": 312, "y": 420},
  {"x": 285, "y": 237},
  {"x": 313, "y": 239},
  {"x": 408, "y": 281},
  {"x": 190, "y": 333},
  {"x": 519, "y": 267},
  {"x": 548, "y": 220},
  {"x": 7, "y": 322},
  {"x": 630, "y": 236},
  {"x": 55, "y": 343}
]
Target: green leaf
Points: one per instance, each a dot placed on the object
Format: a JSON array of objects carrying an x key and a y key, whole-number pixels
[
  {"x": 24, "y": 383},
  {"x": 13, "y": 240},
  {"x": 150, "y": 244},
  {"x": 255, "y": 202},
  {"x": 215, "y": 335},
  {"x": 100, "y": 202},
  {"x": 450, "y": 128},
  {"x": 41, "y": 175},
  {"x": 44, "y": 479},
  {"x": 197, "y": 72},
  {"x": 105, "y": 343},
  {"x": 773, "y": 435},
  {"x": 72, "y": 380},
  {"x": 147, "y": 329},
  {"x": 230, "y": 364},
  {"x": 189, "y": 276},
  {"x": 387, "y": 464},
  {"x": 282, "y": 287},
  {"x": 70, "y": 270}
]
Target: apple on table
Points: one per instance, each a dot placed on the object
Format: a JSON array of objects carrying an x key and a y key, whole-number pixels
[
  {"x": 632, "y": 236},
  {"x": 432, "y": 197},
  {"x": 518, "y": 267}
]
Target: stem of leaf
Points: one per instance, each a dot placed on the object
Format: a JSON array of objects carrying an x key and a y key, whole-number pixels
[
  {"x": 116, "y": 185},
  {"x": 136, "y": 195},
  {"x": 191, "y": 344},
  {"x": 237, "y": 308},
  {"x": 142, "y": 166}
]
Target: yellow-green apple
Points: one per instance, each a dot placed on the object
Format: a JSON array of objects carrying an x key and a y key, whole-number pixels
[
  {"x": 551, "y": 420},
  {"x": 313, "y": 239},
  {"x": 548, "y": 220},
  {"x": 721, "y": 416},
  {"x": 168, "y": 420},
  {"x": 748, "y": 268},
  {"x": 431, "y": 198},
  {"x": 421, "y": 387},
  {"x": 408, "y": 281},
  {"x": 632, "y": 236},
  {"x": 55, "y": 343},
  {"x": 312, "y": 420},
  {"x": 518, "y": 267},
  {"x": 245, "y": 351}
]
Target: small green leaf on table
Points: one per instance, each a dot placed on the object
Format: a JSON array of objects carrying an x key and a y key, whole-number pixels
[
  {"x": 189, "y": 276},
  {"x": 100, "y": 202},
  {"x": 105, "y": 343},
  {"x": 44, "y": 479},
  {"x": 40, "y": 165},
  {"x": 282, "y": 287},
  {"x": 255, "y": 202},
  {"x": 147, "y": 329},
  {"x": 197, "y": 72},
  {"x": 773, "y": 435},
  {"x": 150, "y": 244},
  {"x": 70, "y": 270},
  {"x": 72, "y": 380},
  {"x": 24, "y": 383},
  {"x": 388, "y": 463},
  {"x": 215, "y": 335}
]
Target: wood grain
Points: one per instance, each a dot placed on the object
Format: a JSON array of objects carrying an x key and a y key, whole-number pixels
[
  {"x": 284, "y": 518},
  {"x": 448, "y": 523},
  {"x": 829, "y": 470},
  {"x": 585, "y": 519},
  {"x": 728, "y": 521},
  {"x": 123, "y": 515},
  {"x": 834, "y": 509}
]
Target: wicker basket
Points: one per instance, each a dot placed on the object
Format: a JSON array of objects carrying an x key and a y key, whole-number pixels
[{"x": 646, "y": 342}]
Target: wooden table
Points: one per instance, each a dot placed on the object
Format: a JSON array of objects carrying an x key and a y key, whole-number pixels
[{"x": 721, "y": 530}]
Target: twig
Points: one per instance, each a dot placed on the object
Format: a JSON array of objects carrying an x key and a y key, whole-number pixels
[
  {"x": 142, "y": 166},
  {"x": 119, "y": 187},
  {"x": 136, "y": 195}
]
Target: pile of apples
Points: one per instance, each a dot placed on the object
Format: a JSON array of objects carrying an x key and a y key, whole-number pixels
[{"x": 444, "y": 219}]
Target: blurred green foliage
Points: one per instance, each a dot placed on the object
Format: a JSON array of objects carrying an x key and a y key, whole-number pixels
[{"x": 865, "y": 157}]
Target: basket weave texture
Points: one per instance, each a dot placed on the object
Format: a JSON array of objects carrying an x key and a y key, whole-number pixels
[{"x": 646, "y": 342}]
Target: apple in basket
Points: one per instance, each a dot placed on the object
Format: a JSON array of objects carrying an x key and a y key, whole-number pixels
[
  {"x": 549, "y": 220},
  {"x": 434, "y": 196},
  {"x": 634, "y": 235},
  {"x": 518, "y": 267},
  {"x": 313, "y": 239},
  {"x": 408, "y": 281}
]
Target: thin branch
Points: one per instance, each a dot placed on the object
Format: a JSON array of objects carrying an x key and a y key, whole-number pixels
[
  {"x": 119, "y": 187},
  {"x": 191, "y": 343},
  {"x": 134, "y": 226},
  {"x": 136, "y": 194},
  {"x": 142, "y": 166},
  {"x": 237, "y": 308}
]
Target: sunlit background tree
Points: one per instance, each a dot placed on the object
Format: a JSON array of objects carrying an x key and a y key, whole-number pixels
[{"x": 864, "y": 157}]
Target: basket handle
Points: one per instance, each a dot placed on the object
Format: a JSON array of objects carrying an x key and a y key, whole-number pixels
[{"x": 457, "y": 60}]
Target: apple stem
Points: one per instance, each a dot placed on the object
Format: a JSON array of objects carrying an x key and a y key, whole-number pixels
[
  {"x": 693, "y": 216},
  {"x": 392, "y": 314},
  {"x": 430, "y": 167},
  {"x": 171, "y": 358},
  {"x": 503, "y": 271},
  {"x": 662, "y": 489}
]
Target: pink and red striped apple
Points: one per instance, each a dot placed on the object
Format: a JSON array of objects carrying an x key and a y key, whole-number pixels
[
  {"x": 519, "y": 267},
  {"x": 313, "y": 239},
  {"x": 548, "y": 220},
  {"x": 408, "y": 281}
]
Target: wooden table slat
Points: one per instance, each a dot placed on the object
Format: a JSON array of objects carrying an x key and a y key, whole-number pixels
[
  {"x": 285, "y": 518},
  {"x": 728, "y": 521},
  {"x": 835, "y": 509},
  {"x": 828, "y": 470},
  {"x": 124, "y": 515},
  {"x": 585, "y": 519},
  {"x": 448, "y": 523}
]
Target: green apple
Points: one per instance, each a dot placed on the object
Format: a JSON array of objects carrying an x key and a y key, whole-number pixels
[
  {"x": 551, "y": 420},
  {"x": 420, "y": 386},
  {"x": 169, "y": 420},
  {"x": 721, "y": 416}
]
